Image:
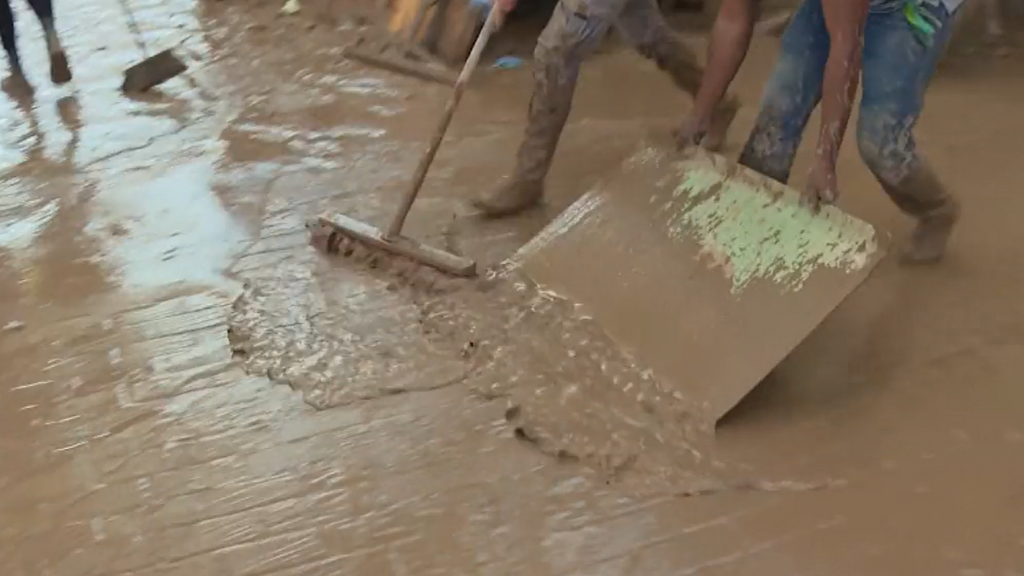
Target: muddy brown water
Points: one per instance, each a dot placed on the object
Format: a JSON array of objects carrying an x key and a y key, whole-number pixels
[{"x": 135, "y": 442}]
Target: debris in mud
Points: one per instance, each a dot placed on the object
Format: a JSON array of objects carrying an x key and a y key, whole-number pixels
[
  {"x": 13, "y": 326},
  {"x": 291, "y": 7},
  {"x": 508, "y": 63},
  {"x": 610, "y": 461},
  {"x": 715, "y": 486}
]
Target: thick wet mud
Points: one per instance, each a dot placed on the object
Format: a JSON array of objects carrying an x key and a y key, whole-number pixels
[{"x": 463, "y": 427}]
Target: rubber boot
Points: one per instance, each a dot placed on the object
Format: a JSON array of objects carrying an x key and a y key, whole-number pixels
[
  {"x": 922, "y": 196},
  {"x": 60, "y": 72},
  {"x": 549, "y": 109}
]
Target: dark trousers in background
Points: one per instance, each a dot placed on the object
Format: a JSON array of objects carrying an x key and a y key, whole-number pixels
[{"x": 43, "y": 10}]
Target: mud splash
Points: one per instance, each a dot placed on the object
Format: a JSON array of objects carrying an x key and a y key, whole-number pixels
[
  {"x": 294, "y": 333},
  {"x": 569, "y": 389}
]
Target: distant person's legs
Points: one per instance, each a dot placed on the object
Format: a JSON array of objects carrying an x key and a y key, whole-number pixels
[
  {"x": 8, "y": 35},
  {"x": 60, "y": 73},
  {"x": 15, "y": 83}
]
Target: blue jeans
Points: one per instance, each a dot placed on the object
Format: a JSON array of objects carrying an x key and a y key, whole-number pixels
[{"x": 897, "y": 67}]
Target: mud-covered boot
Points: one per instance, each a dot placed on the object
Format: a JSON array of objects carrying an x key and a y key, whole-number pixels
[
  {"x": 60, "y": 71},
  {"x": 922, "y": 196},
  {"x": 549, "y": 109},
  {"x": 512, "y": 197},
  {"x": 931, "y": 235}
]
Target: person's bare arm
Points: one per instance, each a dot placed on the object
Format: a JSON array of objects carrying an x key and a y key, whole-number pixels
[
  {"x": 730, "y": 40},
  {"x": 845, "y": 22}
]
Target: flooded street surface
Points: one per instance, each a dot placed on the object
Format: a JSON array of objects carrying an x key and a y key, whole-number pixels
[{"x": 138, "y": 438}]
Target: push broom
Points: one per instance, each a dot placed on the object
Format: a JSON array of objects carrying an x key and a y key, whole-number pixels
[{"x": 392, "y": 240}]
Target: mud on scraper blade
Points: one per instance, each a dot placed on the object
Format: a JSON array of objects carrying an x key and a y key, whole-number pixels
[
  {"x": 707, "y": 272},
  {"x": 372, "y": 237},
  {"x": 393, "y": 241}
]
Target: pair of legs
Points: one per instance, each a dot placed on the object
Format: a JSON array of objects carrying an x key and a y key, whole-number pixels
[
  {"x": 897, "y": 67},
  {"x": 59, "y": 71},
  {"x": 574, "y": 32}
]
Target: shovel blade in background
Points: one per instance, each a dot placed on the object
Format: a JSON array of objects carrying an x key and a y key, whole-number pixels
[
  {"x": 709, "y": 273},
  {"x": 151, "y": 72}
]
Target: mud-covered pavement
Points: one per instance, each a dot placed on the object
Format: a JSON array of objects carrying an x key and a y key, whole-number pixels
[{"x": 137, "y": 439}]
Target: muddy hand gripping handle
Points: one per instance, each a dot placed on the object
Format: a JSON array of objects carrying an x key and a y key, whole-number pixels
[{"x": 490, "y": 26}]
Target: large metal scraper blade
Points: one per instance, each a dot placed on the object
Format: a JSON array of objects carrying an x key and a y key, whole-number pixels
[{"x": 709, "y": 273}]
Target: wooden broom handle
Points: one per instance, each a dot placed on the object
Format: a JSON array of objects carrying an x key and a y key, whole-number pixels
[{"x": 490, "y": 26}]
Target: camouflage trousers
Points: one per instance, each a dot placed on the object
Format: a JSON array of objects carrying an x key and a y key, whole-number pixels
[{"x": 574, "y": 32}]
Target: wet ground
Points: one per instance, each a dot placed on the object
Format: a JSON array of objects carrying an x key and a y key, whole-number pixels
[{"x": 135, "y": 440}]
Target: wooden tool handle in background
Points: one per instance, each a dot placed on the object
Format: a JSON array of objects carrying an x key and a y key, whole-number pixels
[{"x": 490, "y": 26}]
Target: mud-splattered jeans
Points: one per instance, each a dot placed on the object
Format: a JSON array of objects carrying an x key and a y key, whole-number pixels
[
  {"x": 897, "y": 68},
  {"x": 574, "y": 32}
]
